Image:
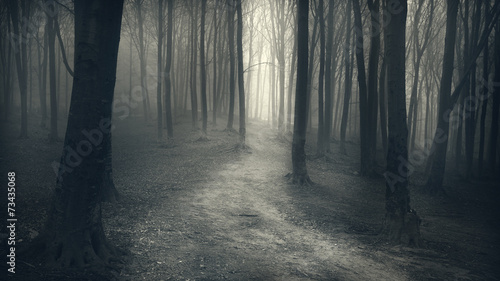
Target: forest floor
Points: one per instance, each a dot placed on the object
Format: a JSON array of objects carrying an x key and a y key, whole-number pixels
[{"x": 201, "y": 210}]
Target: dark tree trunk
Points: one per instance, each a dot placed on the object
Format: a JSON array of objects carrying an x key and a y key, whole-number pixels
[
  {"x": 194, "y": 65},
  {"x": 435, "y": 179},
  {"x": 401, "y": 223},
  {"x": 159, "y": 78},
  {"x": 241, "y": 84},
  {"x": 168, "y": 74},
  {"x": 496, "y": 106},
  {"x": 383, "y": 103},
  {"x": 328, "y": 75},
  {"x": 203, "y": 71},
  {"x": 214, "y": 99},
  {"x": 348, "y": 81},
  {"x": 74, "y": 234},
  {"x": 300, "y": 175},
  {"x": 366, "y": 165},
  {"x": 51, "y": 33},
  {"x": 484, "y": 104},
  {"x": 372, "y": 114},
  {"x": 230, "y": 34},
  {"x": 321, "y": 139},
  {"x": 20, "y": 52},
  {"x": 142, "y": 59},
  {"x": 471, "y": 101}
]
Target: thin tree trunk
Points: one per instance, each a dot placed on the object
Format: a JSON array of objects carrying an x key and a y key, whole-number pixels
[
  {"x": 435, "y": 179},
  {"x": 241, "y": 84},
  {"x": 348, "y": 81},
  {"x": 159, "y": 78},
  {"x": 203, "y": 71},
  {"x": 320, "y": 139},
  {"x": 328, "y": 75},
  {"x": 230, "y": 34},
  {"x": 363, "y": 102}
]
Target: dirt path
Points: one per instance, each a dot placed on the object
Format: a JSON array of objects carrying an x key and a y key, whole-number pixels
[
  {"x": 198, "y": 210},
  {"x": 243, "y": 221}
]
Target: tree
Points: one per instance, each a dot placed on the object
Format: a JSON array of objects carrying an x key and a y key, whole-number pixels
[
  {"x": 20, "y": 51},
  {"x": 230, "y": 34},
  {"x": 366, "y": 165},
  {"x": 435, "y": 179},
  {"x": 348, "y": 80},
  {"x": 73, "y": 235},
  {"x": 168, "y": 74},
  {"x": 203, "y": 70},
  {"x": 321, "y": 140},
  {"x": 373, "y": 61},
  {"x": 496, "y": 106},
  {"x": 51, "y": 35},
  {"x": 400, "y": 221},
  {"x": 159, "y": 63},
  {"x": 300, "y": 174},
  {"x": 328, "y": 74},
  {"x": 241, "y": 84},
  {"x": 138, "y": 4}
]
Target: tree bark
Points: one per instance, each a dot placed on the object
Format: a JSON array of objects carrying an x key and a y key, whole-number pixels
[
  {"x": 74, "y": 235},
  {"x": 168, "y": 72},
  {"x": 320, "y": 139},
  {"x": 203, "y": 71},
  {"x": 348, "y": 81},
  {"x": 230, "y": 34},
  {"x": 401, "y": 223},
  {"x": 241, "y": 84},
  {"x": 437, "y": 169},
  {"x": 300, "y": 174},
  {"x": 363, "y": 102}
]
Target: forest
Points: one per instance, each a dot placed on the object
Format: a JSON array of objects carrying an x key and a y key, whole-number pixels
[{"x": 250, "y": 139}]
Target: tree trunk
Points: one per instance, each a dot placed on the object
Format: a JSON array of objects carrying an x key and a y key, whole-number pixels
[
  {"x": 300, "y": 175},
  {"x": 321, "y": 147},
  {"x": 203, "y": 71},
  {"x": 74, "y": 235},
  {"x": 290, "y": 82},
  {"x": 214, "y": 99},
  {"x": 168, "y": 72},
  {"x": 363, "y": 102},
  {"x": 484, "y": 104},
  {"x": 52, "y": 72},
  {"x": 230, "y": 34},
  {"x": 159, "y": 77},
  {"x": 241, "y": 84},
  {"x": 401, "y": 223},
  {"x": 348, "y": 81},
  {"x": 372, "y": 114},
  {"x": 20, "y": 58},
  {"x": 142, "y": 59},
  {"x": 496, "y": 106},
  {"x": 437, "y": 169},
  {"x": 328, "y": 75}
]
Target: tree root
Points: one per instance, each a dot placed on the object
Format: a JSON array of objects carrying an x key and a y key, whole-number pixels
[
  {"x": 93, "y": 254},
  {"x": 300, "y": 180}
]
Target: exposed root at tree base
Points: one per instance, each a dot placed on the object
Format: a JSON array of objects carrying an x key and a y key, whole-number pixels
[
  {"x": 241, "y": 147},
  {"x": 301, "y": 180},
  {"x": 98, "y": 257}
]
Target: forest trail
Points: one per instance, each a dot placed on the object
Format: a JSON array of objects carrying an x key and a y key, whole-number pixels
[
  {"x": 198, "y": 210},
  {"x": 234, "y": 216}
]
